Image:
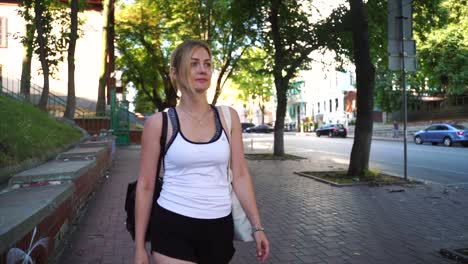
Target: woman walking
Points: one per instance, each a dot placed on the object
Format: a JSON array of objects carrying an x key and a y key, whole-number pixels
[{"x": 192, "y": 221}]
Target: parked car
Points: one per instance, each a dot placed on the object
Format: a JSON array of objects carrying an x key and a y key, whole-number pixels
[
  {"x": 332, "y": 130},
  {"x": 246, "y": 125},
  {"x": 446, "y": 134},
  {"x": 259, "y": 129}
]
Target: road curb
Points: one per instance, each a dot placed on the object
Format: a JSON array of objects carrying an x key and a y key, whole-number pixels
[
  {"x": 454, "y": 255},
  {"x": 410, "y": 139}
]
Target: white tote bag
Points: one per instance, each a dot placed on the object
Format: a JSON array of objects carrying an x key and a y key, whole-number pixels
[{"x": 242, "y": 227}]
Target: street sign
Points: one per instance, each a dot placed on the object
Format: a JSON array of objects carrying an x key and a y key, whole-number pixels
[
  {"x": 398, "y": 9},
  {"x": 401, "y": 52},
  {"x": 400, "y": 33},
  {"x": 395, "y": 63},
  {"x": 395, "y": 47}
]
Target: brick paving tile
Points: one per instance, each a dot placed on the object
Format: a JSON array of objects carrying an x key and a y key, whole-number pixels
[
  {"x": 311, "y": 259},
  {"x": 306, "y": 221}
]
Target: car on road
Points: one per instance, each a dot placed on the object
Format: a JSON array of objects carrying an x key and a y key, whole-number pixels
[
  {"x": 246, "y": 125},
  {"x": 259, "y": 129},
  {"x": 332, "y": 130},
  {"x": 446, "y": 134}
]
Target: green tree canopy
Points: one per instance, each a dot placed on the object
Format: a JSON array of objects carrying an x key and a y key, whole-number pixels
[
  {"x": 157, "y": 27},
  {"x": 143, "y": 59},
  {"x": 227, "y": 25},
  {"x": 253, "y": 77},
  {"x": 443, "y": 51}
]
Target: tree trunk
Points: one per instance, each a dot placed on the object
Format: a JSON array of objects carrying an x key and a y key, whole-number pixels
[
  {"x": 38, "y": 10},
  {"x": 298, "y": 116},
  {"x": 71, "y": 99},
  {"x": 262, "y": 109},
  {"x": 171, "y": 95},
  {"x": 280, "y": 114},
  {"x": 280, "y": 82},
  {"x": 26, "y": 67},
  {"x": 169, "y": 91},
  {"x": 101, "y": 102},
  {"x": 359, "y": 161},
  {"x": 220, "y": 77},
  {"x": 110, "y": 49},
  {"x": 229, "y": 61}
]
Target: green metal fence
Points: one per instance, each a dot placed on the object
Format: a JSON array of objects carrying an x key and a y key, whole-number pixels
[{"x": 120, "y": 119}]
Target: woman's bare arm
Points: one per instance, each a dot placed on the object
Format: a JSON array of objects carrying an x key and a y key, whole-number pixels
[
  {"x": 243, "y": 186},
  {"x": 242, "y": 181},
  {"x": 150, "y": 149}
]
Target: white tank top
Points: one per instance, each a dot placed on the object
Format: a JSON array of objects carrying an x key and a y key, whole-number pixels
[{"x": 195, "y": 176}]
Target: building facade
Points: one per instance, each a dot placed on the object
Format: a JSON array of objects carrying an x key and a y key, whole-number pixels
[
  {"x": 87, "y": 54},
  {"x": 323, "y": 95}
]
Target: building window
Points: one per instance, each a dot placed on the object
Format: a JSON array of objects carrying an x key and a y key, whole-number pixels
[
  {"x": 318, "y": 107},
  {"x": 330, "y": 105},
  {"x": 336, "y": 104},
  {"x": 3, "y": 32},
  {"x": 325, "y": 106}
]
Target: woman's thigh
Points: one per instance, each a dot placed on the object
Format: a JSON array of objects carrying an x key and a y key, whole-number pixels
[{"x": 162, "y": 259}]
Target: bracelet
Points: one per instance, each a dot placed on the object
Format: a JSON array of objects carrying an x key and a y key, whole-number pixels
[{"x": 257, "y": 228}]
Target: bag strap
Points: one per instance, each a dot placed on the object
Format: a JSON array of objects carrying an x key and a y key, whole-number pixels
[
  {"x": 227, "y": 118},
  {"x": 162, "y": 143}
]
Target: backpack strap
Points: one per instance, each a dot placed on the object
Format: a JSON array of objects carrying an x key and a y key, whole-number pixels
[
  {"x": 162, "y": 142},
  {"x": 171, "y": 115}
]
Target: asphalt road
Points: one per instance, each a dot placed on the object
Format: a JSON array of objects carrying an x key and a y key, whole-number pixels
[{"x": 439, "y": 164}]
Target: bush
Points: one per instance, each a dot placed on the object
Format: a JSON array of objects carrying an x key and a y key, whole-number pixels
[{"x": 316, "y": 125}]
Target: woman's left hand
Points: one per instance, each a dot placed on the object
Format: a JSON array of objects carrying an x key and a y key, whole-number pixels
[{"x": 263, "y": 246}]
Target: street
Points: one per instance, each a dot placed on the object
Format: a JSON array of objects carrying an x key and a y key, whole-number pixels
[{"x": 438, "y": 164}]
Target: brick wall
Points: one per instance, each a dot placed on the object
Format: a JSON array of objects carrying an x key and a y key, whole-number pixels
[
  {"x": 135, "y": 136},
  {"x": 93, "y": 125},
  {"x": 48, "y": 227},
  {"x": 56, "y": 224}
]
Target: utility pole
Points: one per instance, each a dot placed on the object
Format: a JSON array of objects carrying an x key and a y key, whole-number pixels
[{"x": 402, "y": 50}]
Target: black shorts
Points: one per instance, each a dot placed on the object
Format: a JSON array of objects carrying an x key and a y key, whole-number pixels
[{"x": 204, "y": 241}]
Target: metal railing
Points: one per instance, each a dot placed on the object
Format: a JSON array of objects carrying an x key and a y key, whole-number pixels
[{"x": 11, "y": 87}]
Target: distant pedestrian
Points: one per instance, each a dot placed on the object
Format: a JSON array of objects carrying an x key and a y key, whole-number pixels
[
  {"x": 192, "y": 220},
  {"x": 395, "y": 128}
]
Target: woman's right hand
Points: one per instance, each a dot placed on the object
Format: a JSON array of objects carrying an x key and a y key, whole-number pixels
[{"x": 141, "y": 256}]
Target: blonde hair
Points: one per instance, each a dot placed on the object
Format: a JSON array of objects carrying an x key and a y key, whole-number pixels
[{"x": 180, "y": 62}]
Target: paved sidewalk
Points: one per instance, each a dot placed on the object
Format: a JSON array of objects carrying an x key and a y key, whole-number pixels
[{"x": 306, "y": 221}]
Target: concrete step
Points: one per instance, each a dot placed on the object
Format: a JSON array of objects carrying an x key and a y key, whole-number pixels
[{"x": 22, "y": 210}]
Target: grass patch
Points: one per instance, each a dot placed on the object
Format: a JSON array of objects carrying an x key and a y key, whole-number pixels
[
  {"x": 27, "y": 132},
  {"x": 340, "y": 178},
  {"x": 271, "y": 156}
]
